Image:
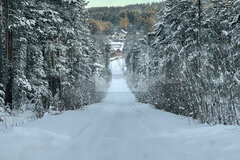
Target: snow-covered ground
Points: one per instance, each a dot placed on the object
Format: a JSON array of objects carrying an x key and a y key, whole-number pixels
[{"x": 119, "y": 128}]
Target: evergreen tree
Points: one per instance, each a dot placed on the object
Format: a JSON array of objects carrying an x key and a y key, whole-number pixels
[
  {"x": 49, "y": 58},
  {"x": 192, "y": 61}
]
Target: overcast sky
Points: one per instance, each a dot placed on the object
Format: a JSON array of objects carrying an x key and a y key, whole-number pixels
[{"x": 101, "y": 3}]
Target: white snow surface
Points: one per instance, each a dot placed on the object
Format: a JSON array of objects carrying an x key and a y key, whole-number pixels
[
  {"x": 119, "y": 128},
  {"x": 117, "y": 45}
]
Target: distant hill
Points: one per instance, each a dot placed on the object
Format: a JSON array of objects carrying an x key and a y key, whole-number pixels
[{"x": 138, "y": 17}]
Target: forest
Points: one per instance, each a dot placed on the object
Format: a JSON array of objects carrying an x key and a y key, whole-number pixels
[
  {"x": 181, "y": 56},
  {"x": 190, "y": 63},
  {"x": 140, "y": 17},
  {"x": 154, "y": 81},
  {"x": 48, "y": 59}
]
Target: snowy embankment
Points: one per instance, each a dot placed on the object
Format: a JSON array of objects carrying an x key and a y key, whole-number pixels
[{"x": 119, "y": 128}]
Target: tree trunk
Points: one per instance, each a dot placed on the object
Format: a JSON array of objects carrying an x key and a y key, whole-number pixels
[
  {"x": 7, "y": 30},
  {"x": 1, "y": 49},
  {"x": 9, "y": 58},
  {"x": 11, "y": 47},
  {"x": 199, "y": 24}
]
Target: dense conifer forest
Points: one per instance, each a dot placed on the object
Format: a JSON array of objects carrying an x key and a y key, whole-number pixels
[
  {"x": 190, "y": 63},
  {"x": 140, "y": 17},
  {"x": 48, "y": 59},
  {"x": 154, "y": 81}
]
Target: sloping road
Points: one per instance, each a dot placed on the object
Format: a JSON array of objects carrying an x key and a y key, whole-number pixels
[{"x": 119, "y": 128}]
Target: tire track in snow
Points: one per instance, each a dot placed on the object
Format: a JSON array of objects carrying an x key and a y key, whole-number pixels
[{"x": 140, "y": 116}]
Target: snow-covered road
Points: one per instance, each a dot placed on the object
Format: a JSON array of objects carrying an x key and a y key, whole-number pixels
[{"x": 119, "y": 128}]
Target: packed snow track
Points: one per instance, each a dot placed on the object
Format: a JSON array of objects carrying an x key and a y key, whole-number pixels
[{"x": 119, "y": 128}]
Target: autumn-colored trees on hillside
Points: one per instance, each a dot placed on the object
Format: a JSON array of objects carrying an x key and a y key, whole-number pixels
[
  {"x": 139, "y": 17},
  {"x": 97, "y": 26},
  {"x": 123, "y": 23}
]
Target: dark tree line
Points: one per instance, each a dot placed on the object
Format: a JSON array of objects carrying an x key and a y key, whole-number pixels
[
  {"x": 190, "y": 64},
  {"x": 48, "y": 61}
]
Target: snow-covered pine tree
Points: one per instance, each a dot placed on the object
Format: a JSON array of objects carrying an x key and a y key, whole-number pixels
[
  {"x": 100, "y": 68},
  {"x": 30, "y": 85},
  {"x": 176, "y": 55},
  {"x": 137, "y": 52},
  {"x": 54, "y": 62},
  {"x": 192, "y": 69}
]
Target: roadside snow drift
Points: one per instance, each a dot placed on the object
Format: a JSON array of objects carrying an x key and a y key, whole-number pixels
[{"x": 119, "y": 128}]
